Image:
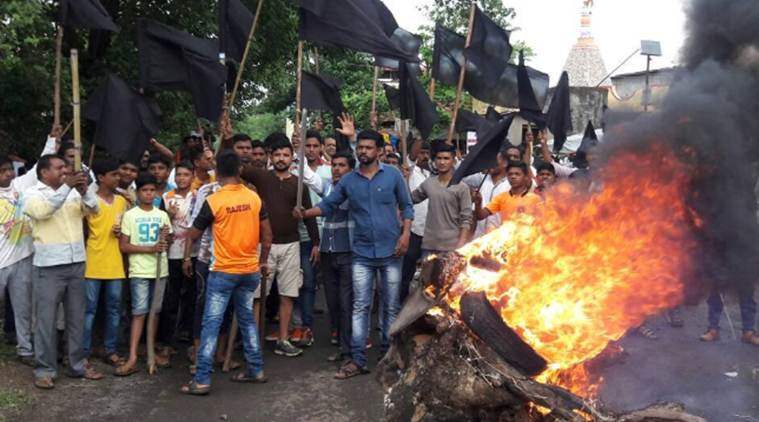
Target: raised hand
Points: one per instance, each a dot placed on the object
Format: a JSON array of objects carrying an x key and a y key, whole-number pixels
[{"x": 348, "y": 125}]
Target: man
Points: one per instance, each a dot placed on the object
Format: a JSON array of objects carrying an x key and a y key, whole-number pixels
[
  {"x": 16, "y": 251},
  {"x": 330, "y": 149},
  {"x": 336, "y": 261},
  {"x": 278, "y": 189},
  {"x": 303, "y": 335},
  {"x": 450, "y": 207},
  {"x": 748, "y": 314},
  {"x": 375, "y": 192},
  {"x": 392, "y": 159},
  {"x": 488, "y": 186},
  {"x": 258, "y": 156},
  {"x": 238, "y": 220},
  {"x": 202, "y": 165},
  {"x": 419, "y": 173},
  {"x": 517, "y": 200},
  {"x": 546, "y": 177},
  {"x": 242, "y": 145},
  {"x": 56, "y": 206}
]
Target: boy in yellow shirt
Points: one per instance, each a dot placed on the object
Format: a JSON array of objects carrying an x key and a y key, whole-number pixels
[
  {"x": 144, "y": 237},
  {"x": 105, "y": 268}
]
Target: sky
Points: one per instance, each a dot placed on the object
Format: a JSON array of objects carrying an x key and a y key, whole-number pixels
[{"x": 551, "y": 27}]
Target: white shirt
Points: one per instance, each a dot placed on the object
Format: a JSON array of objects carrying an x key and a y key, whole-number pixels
[
  {"x": 417, "y": 176},
  {"x": 488, "y": 190}
]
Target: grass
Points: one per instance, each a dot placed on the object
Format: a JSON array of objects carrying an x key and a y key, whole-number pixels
[{"x": 12, "y": 400}]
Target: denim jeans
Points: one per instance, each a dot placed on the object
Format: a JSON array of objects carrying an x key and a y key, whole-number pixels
[
  {"x": 745, "y": 302},
  {"x": 112, "y": 312},
  {"x": 220, "y": 287},
  {"x": 364, "y": 271},
  {"x": 307, "y": 292},
  {"x": 338, "y": 288},
  {"x": 201, "y": 274}
]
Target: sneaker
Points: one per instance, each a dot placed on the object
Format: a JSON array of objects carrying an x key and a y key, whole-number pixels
[
  {"x": 306, "y": 338},
  {"x": 710, "y": 335},
  {"x": 273, "y": 336},
  {"x": 333, "y": 338},
  {"x": 296, "y": 335},
  {"x": 285, "y": 348}
]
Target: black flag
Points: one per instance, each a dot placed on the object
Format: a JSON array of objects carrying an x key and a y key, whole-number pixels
[
  {"x": 175, "y": 60},
  {"x": 125, "y": 120},
  {"x": 393, "y": 96},
  {"x": 448, "y": 57},
  {"x": 85, "y": 14},
  {"x": 493, "y": 115},
  {"x": 483, "y": 155},
  {"x": 489, "y": 48},
  {"x": 559, "y": 116},
  {"x": 469, "y": 121},
  {"x": 235, "y": 21},
  {"x": 528, "y": 104},
  {"x": 320, "y": 92},
  {"x": 405, "y": 41},
  {"x": 415, "y": 104},
  {"x": 589, "y": 138},
  {"x": 361, "y": 25}
]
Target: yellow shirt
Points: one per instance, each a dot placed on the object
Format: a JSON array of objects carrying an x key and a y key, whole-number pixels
[
  {"x": 104, "y": 260},
  {"x": 143, "y": 227}
]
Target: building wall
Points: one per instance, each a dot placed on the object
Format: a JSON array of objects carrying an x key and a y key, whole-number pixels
[{"x": 585, "y": 104}]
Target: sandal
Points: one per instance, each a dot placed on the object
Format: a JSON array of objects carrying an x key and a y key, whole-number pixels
[
  {"x": 648, "y": 333},
  {"x": 162, "y": 362},
  {"x": 114, "y": 360},
  {"x": 44, "y": 383},
  {"x": 92, "y": 374},
  {"x": 193, "y": 389},
  {"x": 350, "y": 370},
  {"x": 243, "y": 377},
  {"x": 125, "y": 370}
]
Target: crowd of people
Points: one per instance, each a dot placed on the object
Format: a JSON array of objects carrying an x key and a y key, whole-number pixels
[{"x": 195, "y": 242}]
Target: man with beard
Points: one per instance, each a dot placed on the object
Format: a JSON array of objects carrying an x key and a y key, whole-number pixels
[
  {"x": 258, "y": 157},
  {"x": 375, "y": 193},
  {"x": 242, "y": 145},
  {"x": 278, "y": 189},
  {"x": 330, "y": 149},
  {"x": 419, "y": 173}
]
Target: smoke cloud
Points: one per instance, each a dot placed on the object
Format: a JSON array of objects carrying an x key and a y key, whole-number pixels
[{"x": 710, "y": 117}]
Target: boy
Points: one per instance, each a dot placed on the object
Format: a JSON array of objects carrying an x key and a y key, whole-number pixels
[
  {"x": 160, "y": 168},
  {"x": 518, "y": 199},
  {"x": 177, "y": 204},
  {"x": 104, "y": 267},
  {"x": 546, "y": 177},
  {"x": 128, "y": 172},
  {"x": 144, "y": 233}
]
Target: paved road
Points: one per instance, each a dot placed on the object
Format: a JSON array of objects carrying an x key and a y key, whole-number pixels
[{"x": 675, "y": 368}]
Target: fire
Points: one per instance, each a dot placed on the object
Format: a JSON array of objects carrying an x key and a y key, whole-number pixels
[{"x": 582, "y": 269}]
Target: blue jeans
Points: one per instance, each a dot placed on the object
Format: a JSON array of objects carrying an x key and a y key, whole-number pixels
[
  {"x": 745, "y": 302},
  {"x": 112, "y": 312},
  {"x": 220, "y": 287},
  {"x": 307, "y": 292},
  {"x": 364, "y": 271}
]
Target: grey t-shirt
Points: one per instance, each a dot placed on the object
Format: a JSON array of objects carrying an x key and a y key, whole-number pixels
[{"x": 449, "y": 211}]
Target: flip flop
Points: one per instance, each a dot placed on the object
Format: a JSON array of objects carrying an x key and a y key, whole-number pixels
[
  {"x": 350, "y": 370},
  {"x": 122, "y": 371},
  {"x": 45, "y": 383},
  {"x": 243, "y": 377},
  {"x": 192, "y": 389}
]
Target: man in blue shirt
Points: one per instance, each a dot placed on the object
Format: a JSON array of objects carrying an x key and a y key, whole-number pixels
[{"x": 375, "y": 192}]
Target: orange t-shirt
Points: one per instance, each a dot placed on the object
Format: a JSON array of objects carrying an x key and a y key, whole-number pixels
[
  {"x": 507, "y": 204},
  {"x": 235, "y": 212}
]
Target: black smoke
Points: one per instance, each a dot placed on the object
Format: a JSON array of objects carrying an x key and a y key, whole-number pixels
[{"x": 710, "y": 116}]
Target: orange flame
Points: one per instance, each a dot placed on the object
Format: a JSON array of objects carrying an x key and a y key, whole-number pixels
[{"x": 581, "y": 269}]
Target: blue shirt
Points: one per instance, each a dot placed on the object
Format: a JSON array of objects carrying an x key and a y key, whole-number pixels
[{"x": 373, "y": 206}]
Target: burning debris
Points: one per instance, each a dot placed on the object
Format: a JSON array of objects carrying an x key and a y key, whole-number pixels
[{"x": 470, "y": 365}]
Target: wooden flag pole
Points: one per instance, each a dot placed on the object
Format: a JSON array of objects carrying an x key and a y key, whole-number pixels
[
  {"x": 373, "y": 114},
  {"x": 316, "y": 60},
  {"x": 298, "y": 76},
  {"x": 403, "y": 141},
  {"x": 251, "y": 34},
  {"x": 77, "y": 109},
  {"x": 462, "y": 73},
  {"x": 57, "y": 85},
  {"x": 431, "y": 90},
  {"x": 302, "y": 156}
]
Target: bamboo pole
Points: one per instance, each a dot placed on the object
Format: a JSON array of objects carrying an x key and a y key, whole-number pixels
[
  {"x": 57, "y": 85},
  {"x": 302, "y": 156},
  {"x": 316, "y": 60},
  {"x": 77, "y": 109},
  {"x": 373, "y": 114},
  {"x": 431, "y": 89},
  {"x": 298, "y": 76},
  {"x": 462, "y": 74},
  {"x": 251, "y": 34}
]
